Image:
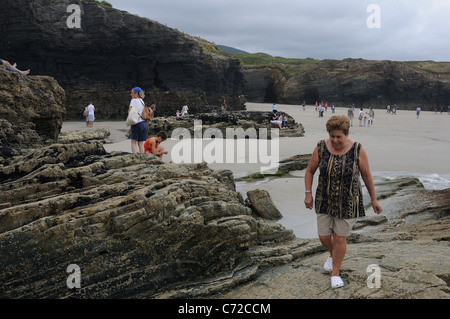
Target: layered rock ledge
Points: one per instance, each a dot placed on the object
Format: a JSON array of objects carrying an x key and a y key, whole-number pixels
[
  {"x": 135, "y": 226},
  {"x": 141, "y": 228},
  {"x": 243, "y": 124},
  {"x": 408, "y": 243}
]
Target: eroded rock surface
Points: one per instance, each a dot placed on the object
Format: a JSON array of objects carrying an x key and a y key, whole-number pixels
[{"x": 134, "y": 225}]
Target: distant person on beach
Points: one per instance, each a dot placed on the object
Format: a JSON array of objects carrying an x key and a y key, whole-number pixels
[
  {"x": 350, "y": 115},
  {"x": 153, "y": 107},
  {"x": 339, "y": 194},
  {"x": 371, "y": 116},
  {"x": 91, "y": 115},
  {"x": 304, "y": 105},
  {"x": 321, "y": 110},
  {"x": 184, "y": 110},
  {"x": 418, "y": 109},
  {"x": 274, "y": 119},
  {"x": 85, "y": 114},
  {"x": 360, "y": 116},
  {"x": 223, "y": 106},
  {"x": 139, "y": 131},
  {"x": 152, "y": 144},
  {"x": 284, "y": 120},
  {"x": 13, "y": 67}
]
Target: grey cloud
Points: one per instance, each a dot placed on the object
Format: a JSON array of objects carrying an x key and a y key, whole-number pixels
[{"x": 410, "y": 29}]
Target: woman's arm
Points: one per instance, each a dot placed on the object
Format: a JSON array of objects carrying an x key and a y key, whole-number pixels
[
  {"x": 309, "y": 174},
  {"x": 368, "y": 180}
]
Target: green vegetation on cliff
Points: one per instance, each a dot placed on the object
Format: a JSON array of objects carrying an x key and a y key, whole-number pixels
[{"x": 291, "y": 66}]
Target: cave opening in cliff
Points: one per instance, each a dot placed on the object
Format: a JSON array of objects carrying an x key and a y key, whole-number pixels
[
  {"x": 270, "y": 94},
  {"x": 311, "y": 95}
]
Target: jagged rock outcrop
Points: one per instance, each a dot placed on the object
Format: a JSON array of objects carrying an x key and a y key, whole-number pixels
[
  {"x": 252, "y": 124},
  {"x": 31, "y": 112},
  {"x": 98, "y": 134},
  {"x": 112, "y": 52},
  {"x": 262, "y": 205},
  {"x": 135, "y": 226}
]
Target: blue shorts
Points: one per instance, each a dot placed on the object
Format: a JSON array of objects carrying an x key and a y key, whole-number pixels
[{"x": 139, "y": 131}]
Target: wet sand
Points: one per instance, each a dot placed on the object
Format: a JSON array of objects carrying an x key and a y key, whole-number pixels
[{"x": 397, "y": 145}]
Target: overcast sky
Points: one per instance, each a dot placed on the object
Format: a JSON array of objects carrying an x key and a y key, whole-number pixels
[{"x": 400, "y": 30}]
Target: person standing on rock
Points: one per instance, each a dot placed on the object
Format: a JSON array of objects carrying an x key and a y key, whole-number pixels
[
  {"x": 91, "y": 115},
  {"x": 184, "y": 110},
  {"x": 139, "y": 131},
  {"x": 339, "y": 195},
  {"x": 13, "y": 67}
]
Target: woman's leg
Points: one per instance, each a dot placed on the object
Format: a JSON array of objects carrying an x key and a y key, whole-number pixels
[
  {"x": 141, "y": 146},
  {"x": 339, "y": 244},
  {"x": 133, "y": 147}
]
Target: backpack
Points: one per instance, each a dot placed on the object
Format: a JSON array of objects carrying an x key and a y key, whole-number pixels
[{"x": 147, "y": 113}]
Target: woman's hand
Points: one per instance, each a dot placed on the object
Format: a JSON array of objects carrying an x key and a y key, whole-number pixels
[
  {"x": 376, "y": 207},
  {"x": 309, "y": 202}
]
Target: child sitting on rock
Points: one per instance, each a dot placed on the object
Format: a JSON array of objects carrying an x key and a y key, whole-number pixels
[{"x": 152, "y": 146}]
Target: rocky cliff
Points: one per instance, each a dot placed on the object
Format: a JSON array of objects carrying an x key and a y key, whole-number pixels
[
  {"x": 112, "y": 52},
  {"x": 31, "y": 112},
  {"x": 363, "y": 82}
]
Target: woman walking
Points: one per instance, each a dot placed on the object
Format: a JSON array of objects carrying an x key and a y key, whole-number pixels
[{"x": 339, "y": 195}]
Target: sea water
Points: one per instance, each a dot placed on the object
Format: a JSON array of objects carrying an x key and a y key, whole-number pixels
[{"x": 429, "y": 181}]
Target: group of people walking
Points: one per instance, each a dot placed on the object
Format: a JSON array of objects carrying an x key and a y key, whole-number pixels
[{"x": 365, "y": 118}]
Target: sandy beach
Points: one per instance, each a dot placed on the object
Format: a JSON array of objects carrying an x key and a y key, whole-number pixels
[{"x": 397, "y": 145}]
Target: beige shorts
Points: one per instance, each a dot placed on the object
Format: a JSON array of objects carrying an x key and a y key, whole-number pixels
[{"x": 327, "y": 224}]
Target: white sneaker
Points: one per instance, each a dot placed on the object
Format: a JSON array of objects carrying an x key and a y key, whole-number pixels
[
  {"x": 328, "y": 266},
  {"x": 336, "y": 282}
]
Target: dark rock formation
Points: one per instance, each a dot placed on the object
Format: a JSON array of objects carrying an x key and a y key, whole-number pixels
[
  {"x": 98, "y": 134},
  {"x": 111, "y": 53},
  {"x": 31, "y": 111},
  {"x": 262, "y": 205},
  {"x": 135, "y": 226},
  {"x": 235, "y": 120},
  {"x": 363, "y": 82}
]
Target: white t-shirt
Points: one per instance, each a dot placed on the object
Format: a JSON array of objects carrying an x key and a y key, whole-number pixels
[
  {"x": 140, "y": 107},
  {"x": 91, "y": 109}
]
